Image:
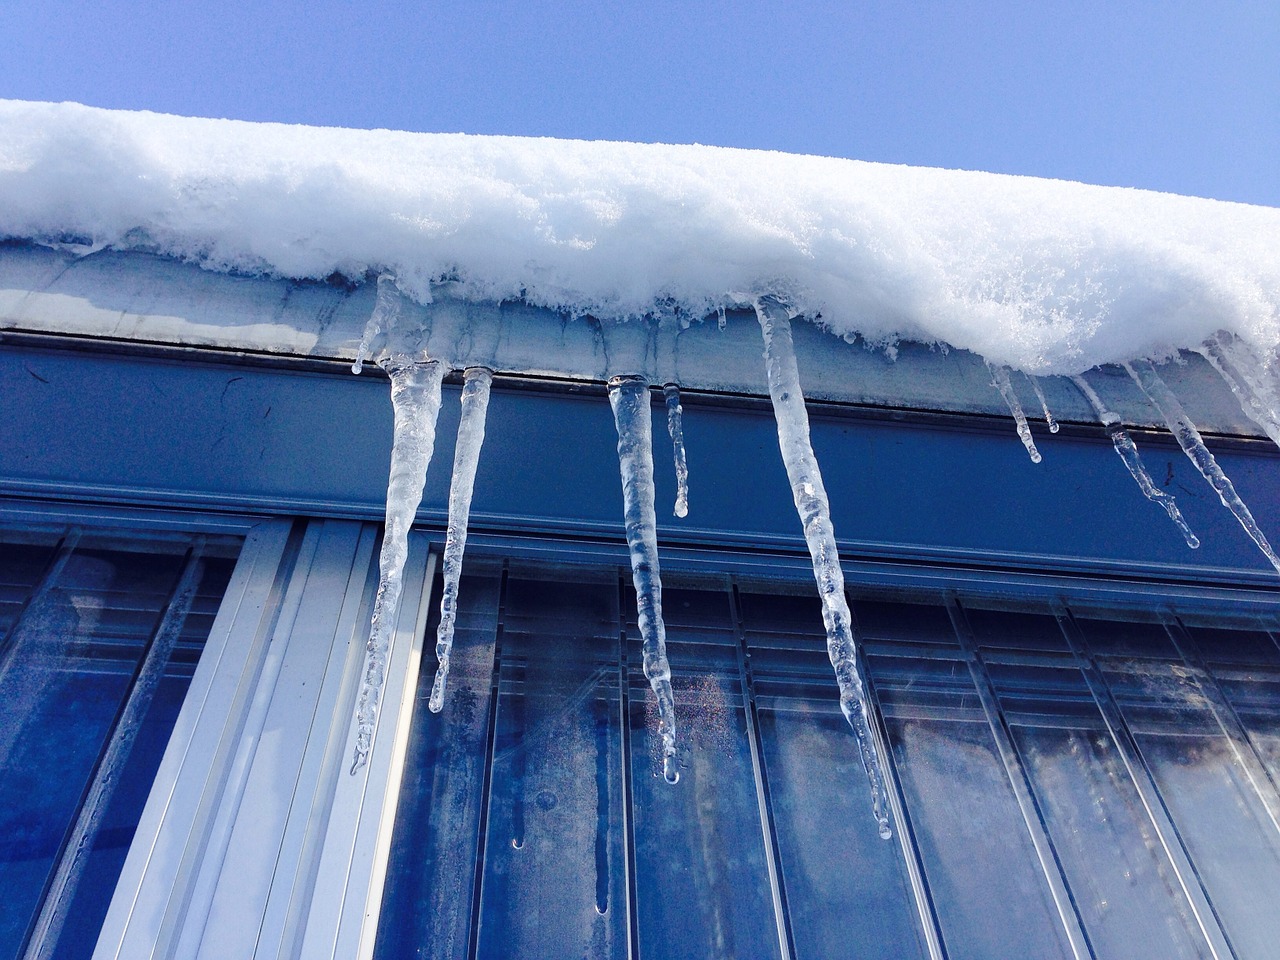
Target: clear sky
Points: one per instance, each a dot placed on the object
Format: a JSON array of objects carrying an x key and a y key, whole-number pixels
[{"x": 1173, "y": 95}]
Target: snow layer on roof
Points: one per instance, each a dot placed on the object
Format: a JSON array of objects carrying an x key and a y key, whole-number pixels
[{"x": 1047, "y": 276}]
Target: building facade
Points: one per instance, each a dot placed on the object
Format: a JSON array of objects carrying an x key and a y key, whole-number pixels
[{"x": 1080, "y": 715}]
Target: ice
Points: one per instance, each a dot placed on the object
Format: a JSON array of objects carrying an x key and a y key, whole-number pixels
[
  {"x": 476, "y": 384},
  {"x": 1128, "y": 451},
  {"x": 1249, "y": 379},
  {"x": 629, "y": 397},
  {"x": 1044, "y": 404},
  {"x": 675, "y": 427},
  {"x": 815, "y": 516},
  {"x": 1000, "y": 380},
  {"x": 386, "y": 313},
  {"x": 415, "y": 399},
  {"x": 1188, "y": 437},
  {"x": 1043, "y": 276}
]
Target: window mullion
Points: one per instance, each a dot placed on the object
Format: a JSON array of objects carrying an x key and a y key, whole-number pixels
[
  {"x": 486, "y": 792},
  {"x": 1144, "y": 783},
  {"x": 1018, "y": 780},
  {"x": 35, "y": 602},
  {"x": 73, "y": 857},
  {"x": 905, "y": 831},
  {"x": 1242, "y": 745},
  {"x": 786, "y": 942},
  {"x": 628, "y": 822}
]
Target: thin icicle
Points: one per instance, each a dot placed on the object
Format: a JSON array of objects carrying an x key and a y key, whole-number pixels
[
  {"x": 721, "y": 320},
  {"x": 415, "y": 398},
  {"x": 1044, "y": 404},
  {"x": 475, "y": 405},
  {"x": 1188, "y": 437},
  {"x": 1248, "y": 379},
  {"x": 1128, "y": 451},
  {"x": 1000, "y": 380},
  {"x": 386, "y": 312},
  {"x": 815, "y": 516},
  {"x": 675, "y": 427},
  {"x": 629, "y": 398}
]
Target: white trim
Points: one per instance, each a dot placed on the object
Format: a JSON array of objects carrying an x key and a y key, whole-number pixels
[
  {"x": 256, "y": 841},
  {"x": 157, "y": 869},
  {"x": 340, "y": 910}
]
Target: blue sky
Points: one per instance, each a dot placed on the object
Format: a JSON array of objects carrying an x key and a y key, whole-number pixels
[{"x": 1175, "y": 96}]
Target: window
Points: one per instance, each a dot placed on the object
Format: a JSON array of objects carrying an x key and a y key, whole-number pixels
[
  {"x": 99, "y": 636},
  {"x": 1071, "y": 778}
]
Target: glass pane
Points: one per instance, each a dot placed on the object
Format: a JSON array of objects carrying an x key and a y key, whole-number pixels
[
  {"x": 69, "y": 663},
  {"x": 427, "y": 904},
  {"x": 702, "y": 876},
  {"x": 115, "y": 832},
  {"x": 1208, "y": 792},
  {"x": 22, "y": 566},
  {"x": 1122, "y": 882},
  {"x": 989, "y": 890},
  {"x": 1246, "y": 665},
  {"x": 554, "y": 881},
  {"x": 847, "y": 890}
]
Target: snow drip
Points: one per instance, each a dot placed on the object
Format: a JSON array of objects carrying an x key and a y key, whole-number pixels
[
  {"x": 629, "y": 398},
  {"x": 1128, "y": 451},
  {"x": 475, "y": 407},
  {"x": 675, "y": 427},
  {"x": 415, "y": 399},
  {"x": 815, "y": 516},
  {"x": 1188, "y": 437}
]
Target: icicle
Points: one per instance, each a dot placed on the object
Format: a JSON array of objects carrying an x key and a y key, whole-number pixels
[
  {"x": 815, "y": 515},
  {"x": 1128, "y": 451},
  {"x": 475, "y": 405},
  {"x": 675, "y": 427},
  {"x": 629, "y": 397},
  {"x": 1000, "y": 380},
  {"x": 415, "y": 397},
  {"x": 1248, "y": 380},
  {"x": 386, "y": 311},
  {"x": 721, "y": 320},
  {"x": 1188, "y": 437},
  {"x": 1044, "y": 404}
]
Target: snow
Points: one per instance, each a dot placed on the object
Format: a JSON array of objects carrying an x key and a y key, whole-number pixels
[{"x": 1041, "y": 276}]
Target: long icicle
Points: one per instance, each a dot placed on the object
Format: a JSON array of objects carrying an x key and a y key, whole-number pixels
[
  {"x": 1248, "y": 380},
  {"x": 476, "y": 384},
  {"x": 1000, "y": 380},
  {"x": 1044, "y": 404},
  {"x": 675, "y": 427},
  {"x": 1188, "y": 437},
  {"x": 629, "y": 398},
  {"x": 815, "y": 516},
  {"x": 415, "y": 398},
  {"x": 1128, "y": 451}
]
